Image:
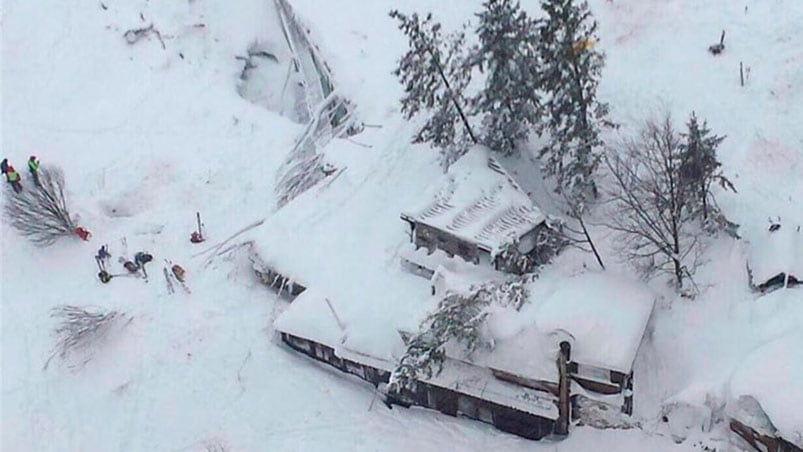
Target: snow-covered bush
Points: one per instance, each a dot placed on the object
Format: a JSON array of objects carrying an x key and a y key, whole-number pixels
[
  {"x": 460, "y": 317},
  {"x": 79, "y": 330},
  {"x": 40, "y": 212}
]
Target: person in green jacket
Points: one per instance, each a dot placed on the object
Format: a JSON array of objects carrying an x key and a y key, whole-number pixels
[
  {"x": 33, "y": 167},
  {"x": 14, "y": 179}
]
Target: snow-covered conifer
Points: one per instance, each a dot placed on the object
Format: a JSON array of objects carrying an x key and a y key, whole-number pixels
[
  {"x": 509, "y": 102},
  {"x": 570, "y": 73},
  {"x": 435, "y": 75},
  {"x": 460, "y": 317},
  {"x": 700, "y": 168}
]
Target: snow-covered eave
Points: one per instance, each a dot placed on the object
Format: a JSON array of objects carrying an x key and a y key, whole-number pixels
[
  {"x": 479, "y": 382},
  {"x": 487, "y": 246}
]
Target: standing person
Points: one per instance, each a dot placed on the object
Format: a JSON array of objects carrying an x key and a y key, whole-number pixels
[
  {"x": 33, "y": 167},
  {"x": 4, "y": 166},
  {"x": 14, "y": 179},
  {"x": 103, "y": 256}
]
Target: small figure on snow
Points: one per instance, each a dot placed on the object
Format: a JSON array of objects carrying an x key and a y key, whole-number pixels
[
  {"x": 197, "y": 236},
  {"x": 104, "y": 276},
  {"x": 103, "y": 256},
  {"x": 103, "y": 253},
  {"x": 178, "y": 272},
  {"x": 33, "y": 167},
  {"x": 140, "y": 259},
  {"x": 130, "y": 266},
  {"x": 328, "y": 169},
  {"x": 82, "y": 233},
  {"x": 13, "y": 178},
  {"x": 4, "y": 166}
]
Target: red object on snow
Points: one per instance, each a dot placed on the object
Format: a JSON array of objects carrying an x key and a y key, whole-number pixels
[
  {"x": 83, "y": 233},
  {"x": 195, "y": 237}
]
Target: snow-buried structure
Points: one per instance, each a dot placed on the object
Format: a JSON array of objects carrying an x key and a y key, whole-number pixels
[
  {"x": 478, "y": 212},
  {"x": 767, "y": 387},
  {"x": 776, "y": 257},
  {"x": 574, "y": 339},
  {"x": 289, "y": 76},
  {"x": 328, "y": 114},
  {"x": 581, "y": 333}
]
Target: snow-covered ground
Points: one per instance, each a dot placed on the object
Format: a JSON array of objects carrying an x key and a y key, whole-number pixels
[{"x": 148, "y": 135}]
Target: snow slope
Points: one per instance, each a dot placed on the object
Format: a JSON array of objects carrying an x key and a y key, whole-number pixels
[{"x": 148, "y": 135}]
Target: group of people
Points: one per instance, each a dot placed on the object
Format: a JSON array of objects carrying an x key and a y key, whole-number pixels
[
  {"x": 138, "y": 264},
  {"x": 13, "y": 177},
  {"x": 102, "y": 258}
]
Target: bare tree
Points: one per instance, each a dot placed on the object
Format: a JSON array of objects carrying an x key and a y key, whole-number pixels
[
  {"x": 650, "y": 204},
  {"x": 41, "y": 213},
  {"x": 79, "y": 329}
]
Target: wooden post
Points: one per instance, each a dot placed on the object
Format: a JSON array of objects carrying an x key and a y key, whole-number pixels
[
  {"x": 722, "y": 39},
  {"x": 627, "y": 390},
  {"x": 741, "y": 72},
  {"x": 564, "y": 406},
  {"x": 198, "y": 218}
]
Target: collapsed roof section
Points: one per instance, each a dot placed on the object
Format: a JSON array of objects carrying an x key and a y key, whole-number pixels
[{"x": 330, "y": 115}]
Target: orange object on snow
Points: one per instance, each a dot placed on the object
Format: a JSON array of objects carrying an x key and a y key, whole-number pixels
[
  {"x": 179, "y": 272},
  {"x": 83, "y": 233}
]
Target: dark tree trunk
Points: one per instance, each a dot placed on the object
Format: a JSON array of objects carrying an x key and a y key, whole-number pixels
[{"x": 451, "y": 94}]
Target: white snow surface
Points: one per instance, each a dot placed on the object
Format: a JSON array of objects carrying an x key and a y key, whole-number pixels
[
  {"x": 770, "y": 375},
  {"x": 602, "y": 316},
  {"x": 147, "y": 136},
  {"x": 775, "y": 252}
]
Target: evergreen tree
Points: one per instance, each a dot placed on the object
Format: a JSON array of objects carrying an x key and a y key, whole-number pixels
[
  {"x": 700, "y": 168},
  {"x": 460, "y": 317},
  {"x": 509, "y": 101},
  {"x": 569, "y": 76},
  {"x": 435, "y": 75}
]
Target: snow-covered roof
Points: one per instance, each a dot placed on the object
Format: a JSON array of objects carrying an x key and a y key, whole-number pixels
[
  {"x": 480, "y": 383},
  {"x": 479, "y": 202},
  {"x": 602, "y": 316},
  {"x": 312, "y": 317},
  {"x": 773, "y": 376},
  {"x": 359, "y": 297},
  {"x": 778, "y": 251}
]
